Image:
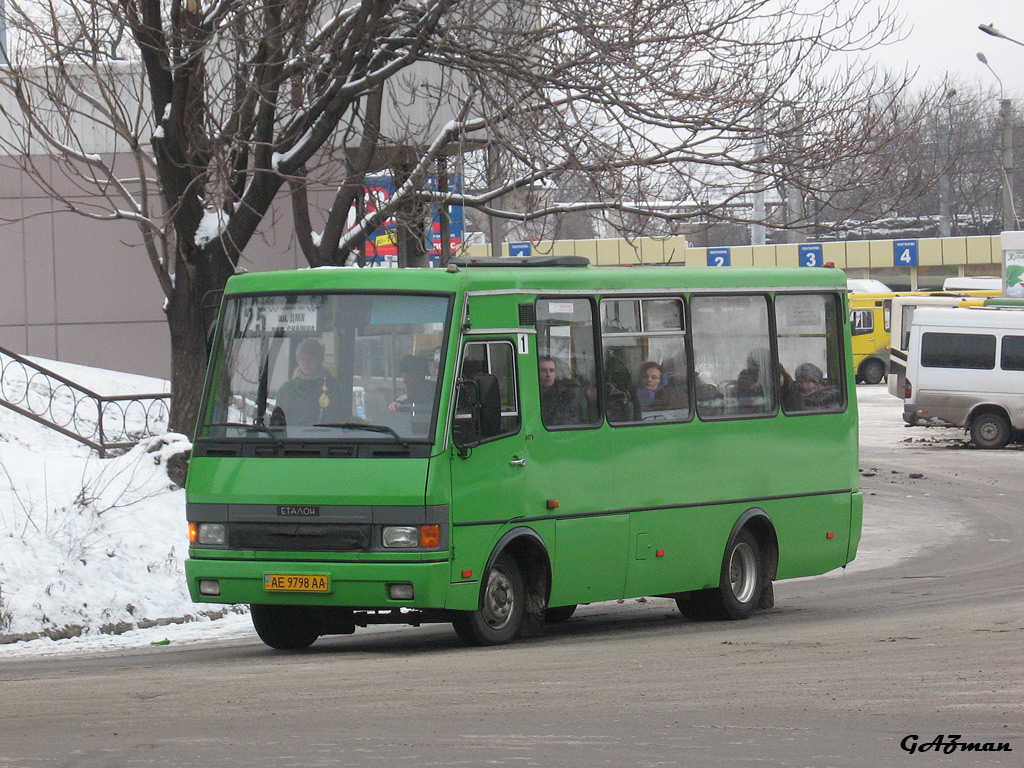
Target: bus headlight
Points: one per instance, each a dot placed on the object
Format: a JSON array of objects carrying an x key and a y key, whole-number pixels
[
  {"x": 212, "y": 534},
  {"x": 404, "y": 536}
]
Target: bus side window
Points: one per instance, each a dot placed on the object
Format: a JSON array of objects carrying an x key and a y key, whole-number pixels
[
  {"x": 499, "y": 359},
  {"x": 567, "y": 364},
  {"x": 810, "y": 350},
  {"x": 646, "y": 371},
  {"x": 732, "y": 355}
]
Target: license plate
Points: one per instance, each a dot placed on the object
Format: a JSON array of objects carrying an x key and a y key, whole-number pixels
[{"x": 296, "y": 582}]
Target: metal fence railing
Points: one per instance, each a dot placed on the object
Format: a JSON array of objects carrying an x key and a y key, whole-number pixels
[{"x": 102, "y": 422}]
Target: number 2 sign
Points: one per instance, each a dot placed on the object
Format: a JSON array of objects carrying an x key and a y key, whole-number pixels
[{"x": 718, "y": 257}]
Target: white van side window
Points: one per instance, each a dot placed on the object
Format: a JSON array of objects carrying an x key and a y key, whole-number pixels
[
  {"x": 1011, "y": 357},
  {"x": 958, "y": 350}
]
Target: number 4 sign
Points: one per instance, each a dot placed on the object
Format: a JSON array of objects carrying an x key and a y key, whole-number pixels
[{"x": 905, "y": 253}]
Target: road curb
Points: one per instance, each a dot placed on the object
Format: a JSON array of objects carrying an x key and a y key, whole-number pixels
[{"x": 114, "y": 628}]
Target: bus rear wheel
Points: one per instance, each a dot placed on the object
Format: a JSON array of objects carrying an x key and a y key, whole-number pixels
[
  {"x": 990, "y": 430},
  {"x": 285, "y": 627},
  {"x": 872, "y": 372},
  {"x": 502, "y": 606},
  {"x": 741, "y": 583}
]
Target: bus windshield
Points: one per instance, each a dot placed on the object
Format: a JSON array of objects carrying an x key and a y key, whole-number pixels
[{"x": 348, "y": 366}]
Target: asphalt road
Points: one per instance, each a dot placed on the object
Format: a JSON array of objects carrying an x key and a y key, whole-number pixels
[{"x": 841, "y": 672}]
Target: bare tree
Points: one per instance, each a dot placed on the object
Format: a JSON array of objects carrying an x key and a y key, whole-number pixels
[{"x": 219, "y": 107}]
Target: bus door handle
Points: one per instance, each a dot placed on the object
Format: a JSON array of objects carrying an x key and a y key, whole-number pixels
[{"x": 517, "y": 463}]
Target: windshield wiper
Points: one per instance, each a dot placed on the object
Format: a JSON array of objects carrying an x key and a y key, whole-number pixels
[
  {"x": 251, "y": 428},
  {"x": 369, "y": 428}
]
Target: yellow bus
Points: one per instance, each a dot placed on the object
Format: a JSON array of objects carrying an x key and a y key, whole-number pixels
[{"x": 869, "y": 329}]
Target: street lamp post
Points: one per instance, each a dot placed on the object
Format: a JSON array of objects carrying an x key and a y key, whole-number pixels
[
  {"x": 1006, "y": 117},
  {"x": 989, "y": 29}
]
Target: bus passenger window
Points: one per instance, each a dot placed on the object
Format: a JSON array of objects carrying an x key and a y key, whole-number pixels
[
  {"x": 810, "y": 351},
  {"x": 566, "y": 363},
  {"x": 732, "y": 356},
  {"x": 645, "y": 361}
]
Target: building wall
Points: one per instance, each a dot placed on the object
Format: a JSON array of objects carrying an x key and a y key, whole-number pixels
[{"x": 83, "y": 291}]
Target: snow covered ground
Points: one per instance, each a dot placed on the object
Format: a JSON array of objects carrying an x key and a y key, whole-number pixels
[{"x": 92, "y": 551}]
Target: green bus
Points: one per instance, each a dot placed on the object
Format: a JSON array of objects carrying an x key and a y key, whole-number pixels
[{"x": 497, "y": 442}]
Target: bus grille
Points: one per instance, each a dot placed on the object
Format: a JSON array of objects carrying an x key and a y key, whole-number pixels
[{"x": 290, "y": 537}]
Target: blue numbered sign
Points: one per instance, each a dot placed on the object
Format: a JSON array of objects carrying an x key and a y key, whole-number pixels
[
  {"x": 810, "y": 255},
  {"x": 905, "y": 253},
  {"x": 718, "y": 257},
  {"x": 519, "y": 250}
]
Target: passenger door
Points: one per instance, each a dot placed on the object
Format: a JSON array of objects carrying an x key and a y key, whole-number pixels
[{"x": 488, "y": 481}]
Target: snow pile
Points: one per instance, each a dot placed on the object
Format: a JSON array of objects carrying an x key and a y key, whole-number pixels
[{"x": 88, "y": 545}]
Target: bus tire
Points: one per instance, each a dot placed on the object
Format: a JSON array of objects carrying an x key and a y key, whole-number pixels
[
  {"x": 743, "y": 577},
  {"x": 285, "y": 627},
  {"x": 559, "y": 614},
  {"x": 990, "y": 430},
  {"x": 872, "y": 372},
  {"x": 502, "y": 606},
  {"x": 739, "y": 591}
]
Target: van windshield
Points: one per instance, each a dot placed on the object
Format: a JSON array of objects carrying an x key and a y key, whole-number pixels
[{"x": 349, "y": 366}]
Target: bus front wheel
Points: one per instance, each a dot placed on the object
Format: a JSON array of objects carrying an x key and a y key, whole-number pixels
[
  {"x": 739, "y": 590},
  {"x": 285, "y": 627},
  {"x": 502, "y": 606}
]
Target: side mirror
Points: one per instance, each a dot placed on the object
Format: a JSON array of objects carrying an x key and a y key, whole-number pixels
[
  {"x": 477, "y": 411},
  {"x": 210, "y": 307}
]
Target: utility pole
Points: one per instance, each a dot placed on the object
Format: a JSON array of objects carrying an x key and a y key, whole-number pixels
[
  {"x": 945, "y": 229},
  {"x": 1009, "y": 214},
  {"x": 757, "y": 228},
  {"x": 497, "y": 230}
]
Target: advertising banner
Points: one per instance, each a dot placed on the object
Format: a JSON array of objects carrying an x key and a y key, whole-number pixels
[
  {"x": 1013, "y": 263},
  {"x": 382, "y": 243}
]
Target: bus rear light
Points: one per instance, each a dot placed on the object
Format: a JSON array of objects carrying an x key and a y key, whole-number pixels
[{"x": 908, "y": 390}]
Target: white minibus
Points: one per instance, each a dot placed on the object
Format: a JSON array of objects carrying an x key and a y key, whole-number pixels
[{"x": 965, "y": 368}]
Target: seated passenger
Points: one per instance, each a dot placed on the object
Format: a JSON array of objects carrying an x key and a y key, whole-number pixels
[
  {"x": 753, "y": 385},
  {"x": 792, "y": 394},
  {"x": 419, "y": 375},
  {"x": 652, "y": 379},
  {"x": 815, "y": 394},
  {"x": 620, "y": 400},
  {"x": 311, "y": 396},
  {"x": 675, "y": 391},
  {"x": 562, "y": 400}
]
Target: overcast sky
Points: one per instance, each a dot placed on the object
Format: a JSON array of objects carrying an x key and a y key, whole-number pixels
[{"x": 943, "y": 36}]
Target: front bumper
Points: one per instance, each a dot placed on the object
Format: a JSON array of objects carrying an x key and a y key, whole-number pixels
[{"x": 351, "y": 584}]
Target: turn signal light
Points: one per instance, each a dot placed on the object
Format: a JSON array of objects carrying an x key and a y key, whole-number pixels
[
  {"x": 430, "y": 536},
  {"x": 193, "y": 533}
]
